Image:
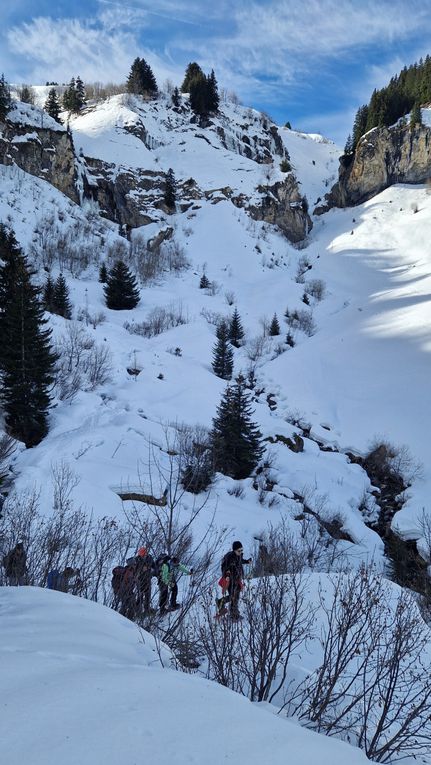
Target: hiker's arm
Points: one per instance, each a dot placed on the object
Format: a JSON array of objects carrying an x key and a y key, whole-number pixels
[
  {"x": 184, "y": 569},
  {"x": 165, "y": 574}
]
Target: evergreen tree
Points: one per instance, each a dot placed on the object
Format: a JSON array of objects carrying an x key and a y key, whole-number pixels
[
  {"x": 415, "y": 116},
  {"x": 170, "y": 189},
  {"x": 213, "y": 96},
  {"x": 204, "y": 282},
  {"x": 236, "y": 332},
  {"x": 26, "y": 357},
  {"x": 103, "y": 273},
  {"x": 193, "y": 71},
  {"x": 5, "y": 99},
  {"x": 348, "y": 148},
  {"x": 69, "y": 97},
  {"x": 176, "y": 98},
  {"x": 121, "y": 290},
  {"x": 199, "y": 95},
  {"x": 79, "y": 94},
  {"x": 48, "y": 295},
  {"x": 141, "y": 80},
  {"x": 274, "y": 327},
  {"x": 53, "y": 106},
  {"x": 61, "y": 303},
  {"x": 236, "y": 440},
  {"x": 222, "y": 363}
]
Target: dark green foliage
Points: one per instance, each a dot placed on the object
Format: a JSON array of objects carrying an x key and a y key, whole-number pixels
[
  {"x": 170, "y": 189},
  {"x": 285, "y": 166},
  {"x": 5, "y": 99},
  {"x": 415, "y": 116},
  {"x": 192, "y": 72},
  {"x": 176, "y": 98},
  {"x": 274, "y": 327},
  {"x": 290, "y": 340},
  {"x": 48, "y": 295},
  {"x": 141, "y": 80},
  {"x": 288, "y": 125},
  {"x": 236, "y": 332},
  {"x": 198, "y": 472},
  {"x": 204, "y": 98},
  {"x": 411, "y": 86},
  {"x": 61, "y": 303},
  {"x": 305, "y": 299},
  {"x": 236, "y": 440},
  {"x": 103, "y": 273},
  {"x": 204, "y": 282},
  {"x": 26, "y": 358},
  {"x": 121, "y": 290},
  {"x": 53, "y": 106},
  {"x": 348, "y": 148},
  {"x": 79, "y": 94},
  {"x": 222, "y": 353}
]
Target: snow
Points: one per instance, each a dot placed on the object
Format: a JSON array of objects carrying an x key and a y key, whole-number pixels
[{"x": 82, "y": 684}]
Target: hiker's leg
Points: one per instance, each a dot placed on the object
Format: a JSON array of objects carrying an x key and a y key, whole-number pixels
[{"x": 174, "y": 593}]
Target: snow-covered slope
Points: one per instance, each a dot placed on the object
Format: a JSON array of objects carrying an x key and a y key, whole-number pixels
[{"x": 82, "y": 684}]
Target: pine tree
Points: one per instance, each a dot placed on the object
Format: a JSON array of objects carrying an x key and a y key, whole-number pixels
[
  {"x": 26, "y": 358},
  {"x": 5, "y": 99},
  {"x": 236, "y": 332},
  {"x": 199, "y": 95},
  {"x": 213, "y": 96},
  {"x": 61, "y": 303},
  {"x": 236, "y": 440},
  {"x": 103, "y": 273},
  {"x": 348, "y": 148},
  {"x": 69, "y": 96},
  {"x": 48, "y": 295},
  {"x": 274, "y": 327},
  {"x": 204, "y": 282},
  {"x": 141, "y": 80},
  {"x": 415, "y": 116},
  {"x": 193, "y": 71},
  {"x": 53, "y": 106},
  {"x": 79, "y": 94},
  {"x": 222, "y": 363},
  {"x": 170, "y": 189},
  {"x": 121, "y": 290}
]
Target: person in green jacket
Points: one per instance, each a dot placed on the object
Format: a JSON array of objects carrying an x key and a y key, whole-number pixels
[{"x": 168, "y": 587}]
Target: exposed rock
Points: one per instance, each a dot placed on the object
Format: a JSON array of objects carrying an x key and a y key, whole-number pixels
[
  {"x": 282, "y": 205},
  {"x": 383, "y": 156},
  {"x": 42, "y": 152}
]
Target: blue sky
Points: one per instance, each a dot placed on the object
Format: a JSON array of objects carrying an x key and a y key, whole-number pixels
[{"x": 312, "y": 63}]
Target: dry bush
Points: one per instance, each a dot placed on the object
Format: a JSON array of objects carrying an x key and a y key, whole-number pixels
[
  {"x": 159, "y": 320},
  {"x": 83, "y": 364}
]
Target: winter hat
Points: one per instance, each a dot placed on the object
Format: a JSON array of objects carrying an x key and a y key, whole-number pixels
[
  {"x": 237, "y": 546},
  {"x": 142, "y": 552}
]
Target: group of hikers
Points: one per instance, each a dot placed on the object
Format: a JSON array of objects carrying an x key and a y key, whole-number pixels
[{"x": 132, "y": 583}]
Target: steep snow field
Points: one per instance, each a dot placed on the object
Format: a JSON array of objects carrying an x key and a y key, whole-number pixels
[
  {"x": 82, "y": 684},
  {"x": 362, "y": 374}
]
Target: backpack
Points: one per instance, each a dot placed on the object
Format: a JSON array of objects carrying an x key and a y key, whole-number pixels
[
  {"x": 53, "y": 579},
  {"x": 118, "y": 574},
  {"x": 157, "y": 567}
]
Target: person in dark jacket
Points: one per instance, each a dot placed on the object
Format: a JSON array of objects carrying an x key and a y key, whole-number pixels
[
  {"x": 233, "y": 572},
  {"x": 15, "y": 564},
  {"x": 144, "y": 569}
]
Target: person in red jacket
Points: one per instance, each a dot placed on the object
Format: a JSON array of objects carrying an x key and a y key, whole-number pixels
[{"x": 233, "y": 573}]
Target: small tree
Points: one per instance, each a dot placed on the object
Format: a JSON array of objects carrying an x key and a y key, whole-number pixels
[
  {"x": 5, "y": 99},
  {"x": 192, "y": 72},
  {"x": 236, "y": 440},
  {"x": 26, "y": 94},
  {"x": 236, "y": 332},
  {"x": 48, "y": 295},
  {"x": 204, "y": 282},
  {"x": 176, "y": 98},
  {"x": 170, "y": 189},
  {"x": 103, "y": 273},
  {"x": 415, "y": 116},
  {"x": 121, "y": 289},
  {"x": 52, "y": 105},
  {"x": 274, "y": 327},
  {"x": 79, "y": 94},
  {"x": 141, "y": 80},
  {"x": 61, "y": 303},
  {"x": 222, "y": 353}
]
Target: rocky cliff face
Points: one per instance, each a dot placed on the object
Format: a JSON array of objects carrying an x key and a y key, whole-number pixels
[
  {"x": 282, "y": 205},
  {"x": 383, "y": 156},
  {"x": 43, "y": 152}
]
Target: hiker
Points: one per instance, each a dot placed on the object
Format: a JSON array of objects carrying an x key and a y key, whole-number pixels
[
  {"x": 144, "y": 570},
  {"x": 15, "y": 564},
  {"x": 124, "y": 587},
  {"x": 168, "y": 587},
  {"x": 62, "y": 581},
  {"x": 233, "y": 574}
]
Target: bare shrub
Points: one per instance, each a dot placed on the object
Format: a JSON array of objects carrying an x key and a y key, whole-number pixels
[
  {"x": 94, "y": 319},
  {"x": 7, "y": 448},
  {"x": 212, "y": 317},
  {"x": 385, "y": 461},
  {"x": 256, "y": 348},
  {"x": 83, "y": 364},
  {"x": 229, "y": 297},
  {"x": 316, "y": 288},
  {"x": 236, "y": 491},
  {"x": 303, "y": 266},
  {"x": 303, "y": 320},
  {"x": 159, "y": 320},
  {"x": 373, "y": 685}
]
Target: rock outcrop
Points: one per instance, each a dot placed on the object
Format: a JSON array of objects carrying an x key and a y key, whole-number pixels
[
  {"x": 282, "y": 205},
  {"x": 383, "y": 156},
  {"x": 43, "y": 152}
]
